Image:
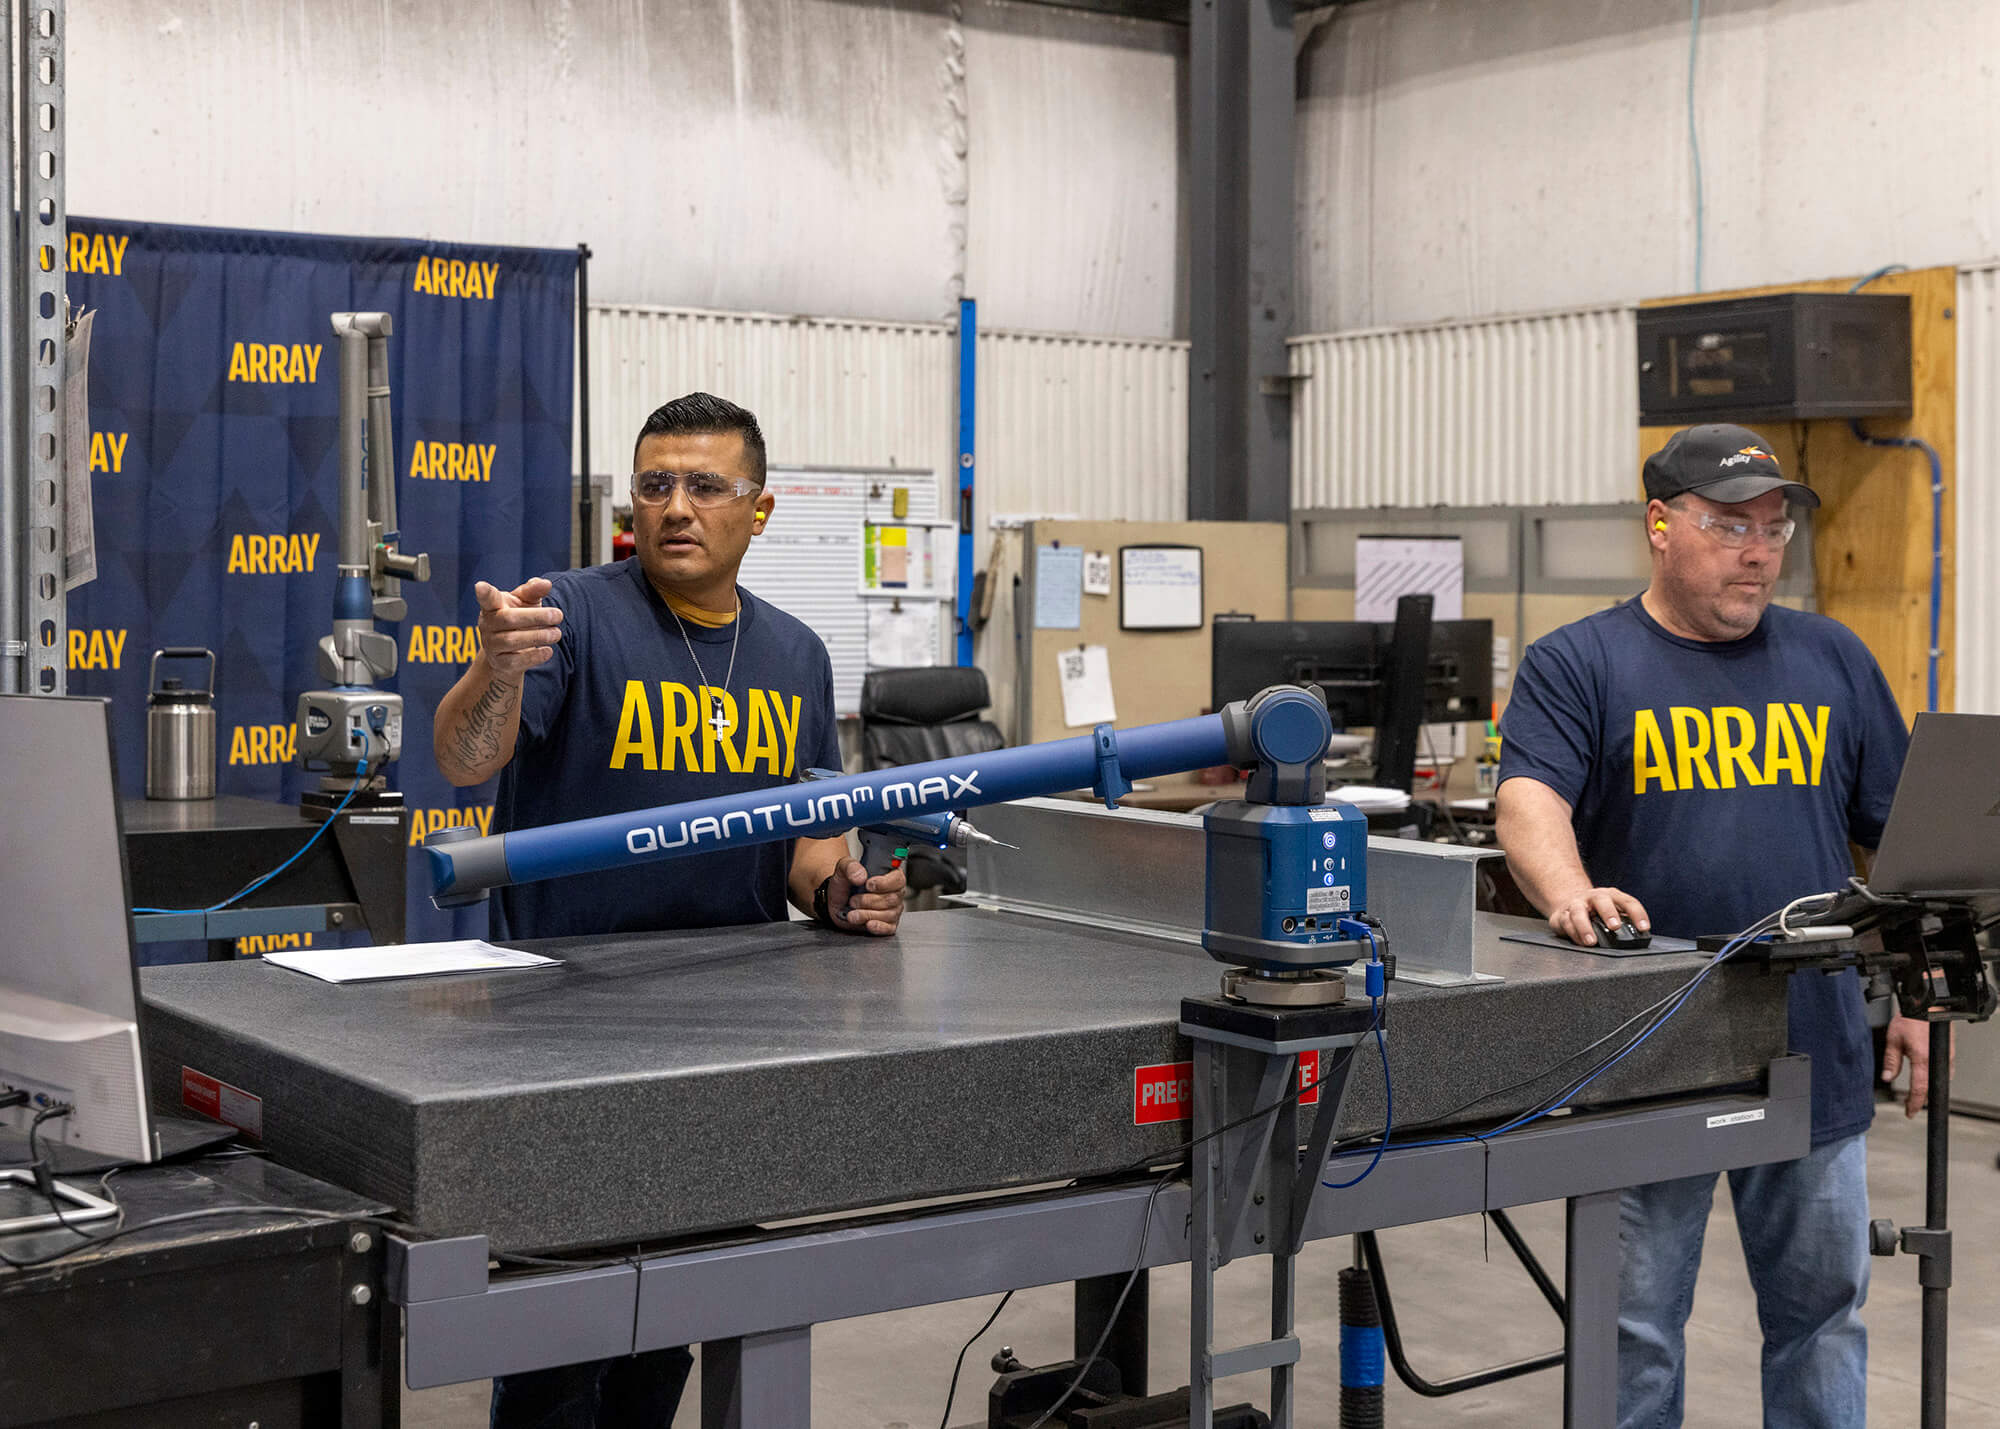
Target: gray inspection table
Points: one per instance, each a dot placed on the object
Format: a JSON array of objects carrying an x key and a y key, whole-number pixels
[{"x": 675, "y": 1097}]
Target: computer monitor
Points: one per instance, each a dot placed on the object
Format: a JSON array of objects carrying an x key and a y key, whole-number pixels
[
  {"x": 69, "y": 987},
  {"x": 1943, "y": 835},
  {"x": 1347, "y": 660}
]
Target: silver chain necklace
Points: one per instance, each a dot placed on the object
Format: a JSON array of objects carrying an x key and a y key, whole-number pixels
[{"x": 717, "y": 720}]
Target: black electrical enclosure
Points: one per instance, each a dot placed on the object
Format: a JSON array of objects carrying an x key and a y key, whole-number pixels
[{"x": 1775, "y": 357}]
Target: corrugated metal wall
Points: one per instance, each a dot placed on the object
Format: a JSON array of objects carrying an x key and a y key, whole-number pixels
[
  {"x": 1521, "y": 411},
  {"x": 1086, "y": 425},
  {"x": 1094, "y": 427},
  {"x": 1978, "y": 494},
  {"x": 827, "y": 391}
]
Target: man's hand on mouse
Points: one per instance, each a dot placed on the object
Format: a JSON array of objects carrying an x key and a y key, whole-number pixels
[
  {"x": 1571, "y": 917},
  {"x": 857, "y": 903}
]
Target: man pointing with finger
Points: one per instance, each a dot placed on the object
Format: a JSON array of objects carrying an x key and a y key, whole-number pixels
[
  {"x": 655, "y": 680},
  {"x": 1692, "y": 760}
]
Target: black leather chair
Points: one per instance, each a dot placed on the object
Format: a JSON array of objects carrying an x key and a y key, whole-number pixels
[{"x": 912, "y": 716}]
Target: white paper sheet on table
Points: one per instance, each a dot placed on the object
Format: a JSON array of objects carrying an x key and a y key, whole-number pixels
[
  {"x": 1085, "y": 672},
  {"x": 406, "y": 960}
]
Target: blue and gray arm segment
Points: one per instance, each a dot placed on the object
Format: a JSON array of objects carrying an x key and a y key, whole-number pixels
[{"x": 1285, "y": 725}]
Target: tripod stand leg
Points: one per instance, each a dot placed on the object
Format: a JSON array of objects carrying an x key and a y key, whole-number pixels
[{"x": 1934, "y": 1267}]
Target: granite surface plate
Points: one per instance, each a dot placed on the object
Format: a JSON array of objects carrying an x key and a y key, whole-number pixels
[{"x": 666, "y": 1085}]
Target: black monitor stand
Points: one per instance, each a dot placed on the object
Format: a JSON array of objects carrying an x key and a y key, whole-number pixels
[{"x": 1403, "y": 673}]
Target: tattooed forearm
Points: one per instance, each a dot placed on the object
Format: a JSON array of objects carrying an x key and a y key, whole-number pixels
[{"x": 477, "y": 745}]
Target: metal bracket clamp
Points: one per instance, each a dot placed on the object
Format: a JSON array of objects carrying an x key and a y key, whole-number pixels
[{"x": 1112, "y": 785}]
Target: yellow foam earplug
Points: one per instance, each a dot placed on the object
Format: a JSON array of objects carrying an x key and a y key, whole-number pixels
[{"x": 1657, "y": 525}]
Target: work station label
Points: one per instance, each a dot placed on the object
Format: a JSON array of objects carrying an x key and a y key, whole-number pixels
[
  {"x": 218, "y": 1101},
  {"x": 1165, "y": 1091}
]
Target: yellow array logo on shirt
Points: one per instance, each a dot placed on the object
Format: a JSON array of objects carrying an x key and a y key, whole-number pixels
[
  {"x": 1727, "y": 746},
  {"x": 768, "y": 725}
]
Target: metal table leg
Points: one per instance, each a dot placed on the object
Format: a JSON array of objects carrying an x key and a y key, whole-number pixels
[
  {"x": 1590, "y": 1346},
  {"x": 1126, "y": 1347},
  {"x": 758, "y": 1382}
]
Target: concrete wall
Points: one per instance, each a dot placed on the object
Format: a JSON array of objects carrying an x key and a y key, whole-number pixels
[
  {"x": 815, "y": 156},
  {"x": 1464, "y": 157}
]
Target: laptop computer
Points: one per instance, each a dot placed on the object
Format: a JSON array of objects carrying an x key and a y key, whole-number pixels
[{"x": 1943, "y": 835}]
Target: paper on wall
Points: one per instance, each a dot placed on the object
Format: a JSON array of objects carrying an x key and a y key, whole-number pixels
[
  {"x": 1085, "y": 673},
  {"x": 1097, "y": 573},
  {"x": 1386, "y": 568},
  {"x": 1389, "y": 567},
  {"x": 901, "y": 638},
  {"x": 1058, "y": 587}
]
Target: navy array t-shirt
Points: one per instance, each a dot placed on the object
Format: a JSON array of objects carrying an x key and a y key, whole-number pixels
[
  {"x": 618, "y": 720},
  {"x": 1716, "y": 782}
]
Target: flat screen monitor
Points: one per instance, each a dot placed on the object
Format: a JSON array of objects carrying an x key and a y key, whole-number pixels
[
  {"x": 69, "y": 992},
  {"x": 1346, "y": 660}
]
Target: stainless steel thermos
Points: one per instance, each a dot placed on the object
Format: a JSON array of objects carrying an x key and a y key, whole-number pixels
[{"x": 180, "y": 730}]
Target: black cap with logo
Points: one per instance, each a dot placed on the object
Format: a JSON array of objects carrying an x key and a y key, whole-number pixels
[{"x": 1724, "y": 463}]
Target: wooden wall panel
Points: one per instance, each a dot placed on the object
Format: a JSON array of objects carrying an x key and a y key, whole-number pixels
[
  {"x": 1872, "y": 534},
  {"x": 1161, "y": 674}
]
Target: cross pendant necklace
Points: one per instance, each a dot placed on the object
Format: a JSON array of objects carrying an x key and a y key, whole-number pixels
[{"x": 718, "y": 719}]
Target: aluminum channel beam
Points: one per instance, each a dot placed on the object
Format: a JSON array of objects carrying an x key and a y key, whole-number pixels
[{"x": 1147, "y": 873}]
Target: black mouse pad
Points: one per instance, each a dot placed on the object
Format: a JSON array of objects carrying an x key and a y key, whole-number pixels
[{"x": 1549, "y": 938}]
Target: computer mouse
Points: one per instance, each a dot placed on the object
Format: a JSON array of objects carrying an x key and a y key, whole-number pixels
[{"x": 1624, "y": 938}]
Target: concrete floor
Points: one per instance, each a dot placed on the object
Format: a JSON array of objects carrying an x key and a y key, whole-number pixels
[{"x": 1459, "y": 1312}]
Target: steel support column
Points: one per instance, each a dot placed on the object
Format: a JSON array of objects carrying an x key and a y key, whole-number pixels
[
  {"x": 13, "y": 491},
  {"x": 1240, "y": 100}
]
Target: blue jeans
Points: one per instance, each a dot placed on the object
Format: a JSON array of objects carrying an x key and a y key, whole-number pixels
[
  {"x": 639, "y": 1391},
  {"x": 1804, "y": 1227}
]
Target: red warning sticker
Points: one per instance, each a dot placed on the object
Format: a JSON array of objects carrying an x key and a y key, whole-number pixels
[
  {"x": 1162, "y": 1093},
  {"x": 1309, "y": 1078},
  {"x": 1165, "y": 1092},
  {"x": 218, "y": 1101}
]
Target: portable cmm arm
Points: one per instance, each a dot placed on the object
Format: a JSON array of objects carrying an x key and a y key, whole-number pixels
[{"x": 1287, "y": 872}]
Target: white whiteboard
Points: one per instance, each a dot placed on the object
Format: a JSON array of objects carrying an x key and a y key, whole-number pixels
[
  {"x": 1159, "y": 588},
  {"x": 808, "y": 561}
]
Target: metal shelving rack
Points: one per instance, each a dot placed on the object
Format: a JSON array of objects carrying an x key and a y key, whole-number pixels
[{"x": 34, "y": 626}]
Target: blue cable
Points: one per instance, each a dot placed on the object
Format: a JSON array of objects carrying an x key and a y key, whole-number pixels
[
  {"x": 1736, "y": 944},
  {"x": 1388, "y": 1111},
  {"x": 1884, "y": 271},
  {"x": 1937, "y": 542},
  {"x": 251, "y": 887},
  {"x": 1694, "y": 144},
  {"x": 1388, "y": 1092}
]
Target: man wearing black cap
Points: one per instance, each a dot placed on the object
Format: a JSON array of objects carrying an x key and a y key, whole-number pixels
[{"x": 1692, "y": 760}]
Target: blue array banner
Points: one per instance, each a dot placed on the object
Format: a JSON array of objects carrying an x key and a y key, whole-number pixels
[{"x": 214, "y": 404}]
